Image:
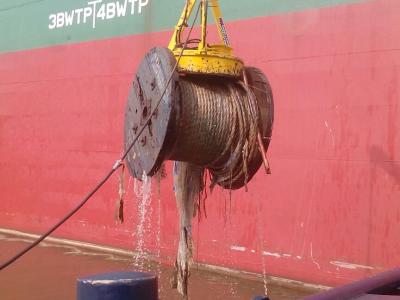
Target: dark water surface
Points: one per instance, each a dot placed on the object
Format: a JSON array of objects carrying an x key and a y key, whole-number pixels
[{"x": 49, "y": 272}]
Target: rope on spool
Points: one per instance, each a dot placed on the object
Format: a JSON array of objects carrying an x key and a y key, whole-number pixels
[
  {"x": 215, "y": 129},
  {"x": 209, "y": 121}
]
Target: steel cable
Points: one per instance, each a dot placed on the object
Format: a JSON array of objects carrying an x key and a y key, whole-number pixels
[{"x": 217, "y": 129}]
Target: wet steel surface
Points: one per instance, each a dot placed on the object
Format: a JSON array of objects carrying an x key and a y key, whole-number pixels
[{"x": 49, "y": 272}]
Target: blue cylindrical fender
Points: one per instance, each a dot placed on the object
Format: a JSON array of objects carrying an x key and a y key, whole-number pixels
[{"x": 118, "y": 285}]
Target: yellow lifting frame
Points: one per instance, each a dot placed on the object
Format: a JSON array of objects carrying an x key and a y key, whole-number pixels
[{"x": 215, "y": 59}]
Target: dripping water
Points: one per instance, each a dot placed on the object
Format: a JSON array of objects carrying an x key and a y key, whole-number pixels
[
  {"x": 143, "y": 230},
  {"x": 260, "y": 225},
  {"x": 159, "y": 177},
  {"x": 229, "y": 239}
]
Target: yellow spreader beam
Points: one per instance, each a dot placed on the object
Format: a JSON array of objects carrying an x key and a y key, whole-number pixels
[{"x": 204, "y": 58}]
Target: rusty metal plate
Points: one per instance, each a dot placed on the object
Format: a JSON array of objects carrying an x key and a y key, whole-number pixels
[{"x": 147, "y": 87}]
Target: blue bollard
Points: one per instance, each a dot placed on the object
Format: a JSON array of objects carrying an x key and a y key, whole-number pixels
[{"x": 119, "y": 285}]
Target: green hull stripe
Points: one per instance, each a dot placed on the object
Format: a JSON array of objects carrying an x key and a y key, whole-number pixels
[{"x": 24, "y": 24}]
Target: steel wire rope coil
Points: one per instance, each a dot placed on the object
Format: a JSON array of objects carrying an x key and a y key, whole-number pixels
[{"x": 215, "y": 129}]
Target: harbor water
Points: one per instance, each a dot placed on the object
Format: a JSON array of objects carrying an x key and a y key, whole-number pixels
[{"x": 50, "y": 271}]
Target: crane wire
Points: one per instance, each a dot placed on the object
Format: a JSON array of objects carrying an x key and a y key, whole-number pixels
[{"x": 115, "y": 167}]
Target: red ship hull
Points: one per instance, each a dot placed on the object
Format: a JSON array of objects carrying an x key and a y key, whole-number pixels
[{"x": 328, "y": 214}]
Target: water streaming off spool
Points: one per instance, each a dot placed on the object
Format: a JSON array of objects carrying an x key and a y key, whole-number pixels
[
  {"x": 228, "y": 236},
  {"x": 158, "y": 229},
  {"x": 145, "y": 229},
  {"x": 145, "y": 232},
  {"x": 260, "y": 226},
  {"x": 142, "y": 192},
  {"x": 229, "y": 228}
]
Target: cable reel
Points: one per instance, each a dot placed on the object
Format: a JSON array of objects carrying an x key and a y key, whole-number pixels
[{"x": 215, "y": 113}]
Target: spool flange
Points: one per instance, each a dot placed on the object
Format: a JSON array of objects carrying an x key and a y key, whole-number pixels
[{"x": 148, "y": 85}]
